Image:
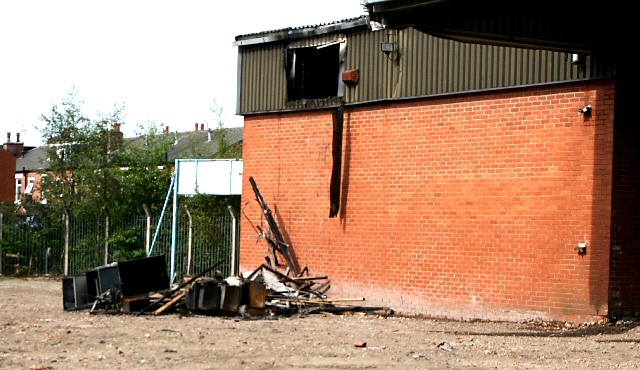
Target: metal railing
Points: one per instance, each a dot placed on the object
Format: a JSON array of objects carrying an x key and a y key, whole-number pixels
[{"x": 28, "y": 248}]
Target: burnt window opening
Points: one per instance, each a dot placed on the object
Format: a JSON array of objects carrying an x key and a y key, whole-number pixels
[{"x": 313, "y": 72}]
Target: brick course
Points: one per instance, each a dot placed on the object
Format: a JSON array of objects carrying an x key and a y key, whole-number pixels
[{"x": 467, "y": 206}]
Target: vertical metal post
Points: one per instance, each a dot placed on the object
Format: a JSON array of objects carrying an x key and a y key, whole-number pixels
[
  {"x": 233, "y": 241},
  {"x": 174, "y": 222},
  {"x": 47, "y": 255},
  {"x": 190, "y": 243},
  {"x": 66, "y": 242},
  {"x": 106, "y": 236},
  {"x": 147, "y": 239}
]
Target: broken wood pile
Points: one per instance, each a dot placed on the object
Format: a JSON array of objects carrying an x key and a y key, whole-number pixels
[
  {"x": 297, "y": 291},
  {"x": 289, "y": 294},
  {"x": 266, "y": 290}
]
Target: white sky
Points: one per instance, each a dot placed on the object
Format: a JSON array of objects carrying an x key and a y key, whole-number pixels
[{"x": 165, "y": 61}]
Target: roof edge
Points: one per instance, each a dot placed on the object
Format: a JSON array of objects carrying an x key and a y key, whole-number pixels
[{"x": 301, "y": 32}]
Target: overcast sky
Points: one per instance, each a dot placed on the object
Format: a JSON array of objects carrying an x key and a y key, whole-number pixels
[{"x": 165, "y": 61}]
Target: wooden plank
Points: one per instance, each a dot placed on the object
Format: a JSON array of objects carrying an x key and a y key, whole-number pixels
[
  {"x": 306, "y": 278},
  {"x": 171, "y": 303}
]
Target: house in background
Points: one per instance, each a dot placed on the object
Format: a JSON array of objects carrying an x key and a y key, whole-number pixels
[
  {"x": 202, "y": 143},
  {"x": 31, "y": 165},
  {"x": 12, "y": 183},
  {"x": 441, "y": 177}
]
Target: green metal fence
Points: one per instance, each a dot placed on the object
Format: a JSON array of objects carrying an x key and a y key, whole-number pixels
[{"x": 28, "y": 248}]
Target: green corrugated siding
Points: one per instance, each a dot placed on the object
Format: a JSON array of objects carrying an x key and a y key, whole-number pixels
[{"x": 426, "y": 66}]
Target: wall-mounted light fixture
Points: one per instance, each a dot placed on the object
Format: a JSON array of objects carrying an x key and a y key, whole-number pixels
[
  {"x": 586, "y": 110},
  {"x": 390, "y": 47},
  {"x": 387, "y": 47},
  {"x": 582, "y": 248}
]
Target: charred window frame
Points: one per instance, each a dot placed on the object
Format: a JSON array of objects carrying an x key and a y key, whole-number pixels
[{"x": 314, "y": 68}]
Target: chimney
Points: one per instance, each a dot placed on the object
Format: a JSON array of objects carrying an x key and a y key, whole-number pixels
[
  {"x": 14, "y": 148},
  {"x": 196, "y": 127},
  {"x": 202, "y": 127},
  {"x": 17, "y": 137},
  {"x": 166, "y": 129},
  {"x": 116, "y": 138}
]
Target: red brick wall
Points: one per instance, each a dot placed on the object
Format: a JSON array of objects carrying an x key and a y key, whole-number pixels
[
  {"x": 7, "y": 172},
  {"x": 469, "y": 206}
]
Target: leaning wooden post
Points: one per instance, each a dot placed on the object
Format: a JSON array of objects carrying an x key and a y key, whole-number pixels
[
  {"x": 147, "y": 241},
  {"x": 106, "y": 235},
  {"x": 65, "y": 216}
]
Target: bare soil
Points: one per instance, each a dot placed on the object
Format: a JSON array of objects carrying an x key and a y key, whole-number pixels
[{"x": 36, "y": 333}]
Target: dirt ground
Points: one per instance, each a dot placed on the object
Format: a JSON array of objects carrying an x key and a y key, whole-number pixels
[{"x": 35, "y": 333}]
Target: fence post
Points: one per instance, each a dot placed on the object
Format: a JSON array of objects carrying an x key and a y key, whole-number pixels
[
  {"x": 106, "y": 235},
  {"x": 189, "y": 244},
  {"x": 233, "y": 241},
  {"x": 65, "y": 216},
  {"x": 147, "y": 239},
  {"x": 1, "y": 216}
]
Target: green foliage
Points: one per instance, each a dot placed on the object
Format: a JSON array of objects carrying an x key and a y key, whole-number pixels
[
  {"x": 225, "y": 149},
  {"x": 94, "y": 171},
  {"x": 146, "y": 172},
  {"x": 92, "y": 167},
  {"x": 127, "y": 244},
  {"x": 69, "y": 134}
]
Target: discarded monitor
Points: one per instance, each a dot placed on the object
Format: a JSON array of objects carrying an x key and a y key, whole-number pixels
[
  {"x": 116, "y": 281},
  {"x": 100, "y": 280},
  {"x": 143, "y": 275},
  {"x": 74, "y": 292}
]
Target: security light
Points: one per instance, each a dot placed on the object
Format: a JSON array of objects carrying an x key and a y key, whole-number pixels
[{"x": 387, "y": 47}]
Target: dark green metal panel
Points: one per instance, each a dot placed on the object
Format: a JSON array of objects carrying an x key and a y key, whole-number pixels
[{"x": 423, "y": 65}]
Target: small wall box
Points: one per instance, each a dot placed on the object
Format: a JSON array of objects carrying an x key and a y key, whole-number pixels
[
  {"x": 351, "y": 76},
  {"x": 582, "y": 248}
]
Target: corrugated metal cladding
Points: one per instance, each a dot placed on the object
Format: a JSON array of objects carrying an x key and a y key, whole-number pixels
[
  {"x": 263, "y": 83},
  {"x": 422, "y": 66}
]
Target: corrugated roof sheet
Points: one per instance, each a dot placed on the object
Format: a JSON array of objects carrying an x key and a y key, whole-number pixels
[{"x": 302, "y": 31}]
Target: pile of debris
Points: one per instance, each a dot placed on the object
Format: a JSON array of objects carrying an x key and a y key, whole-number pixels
[
  {"x": 142, "y": 286},
  {"x": 293, "y": 290}
]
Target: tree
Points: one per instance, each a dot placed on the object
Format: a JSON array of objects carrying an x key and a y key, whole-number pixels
[
  {"x": 225, "y": 149},
  {"x": 70, "y": 136},
  {"x": 147, "y": 171},
  {"x": 92, "y": 167}
]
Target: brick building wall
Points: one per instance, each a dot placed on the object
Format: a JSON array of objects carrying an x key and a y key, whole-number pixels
[
  {"x": 625, "y": 232},
  {"x": 468, "y": 206},
  {"x": 7, "y": 173}
]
